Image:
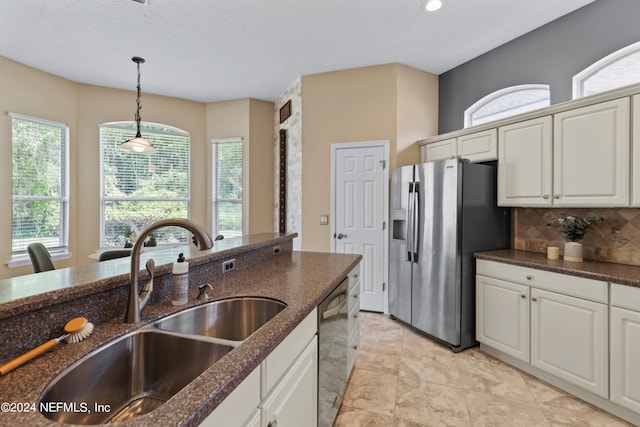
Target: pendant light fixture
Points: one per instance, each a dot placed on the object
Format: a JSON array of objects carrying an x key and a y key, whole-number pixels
[
  {"x": 432, "y": 5},
  {"x": 138, "y": 144}
]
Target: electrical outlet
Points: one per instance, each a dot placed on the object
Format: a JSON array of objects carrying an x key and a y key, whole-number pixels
[
  {"x": 276, "y": 250},
  {"x": 228, "y": 265}
]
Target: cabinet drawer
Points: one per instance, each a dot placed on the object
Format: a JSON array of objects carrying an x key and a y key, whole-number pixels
[
  {"x": 625, "y": 296},
  {"x": 580, "y": 287},
  {"x": 277, "y": 363},
  {"x": 354, "y": 318},
  {"x": 352, "y": 350}
]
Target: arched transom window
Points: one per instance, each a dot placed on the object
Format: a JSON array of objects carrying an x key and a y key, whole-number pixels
[
  {"x": 507, "y": 102},
  {"x": 621, "y": 68}
]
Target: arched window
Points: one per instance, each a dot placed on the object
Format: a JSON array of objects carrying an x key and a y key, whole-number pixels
[
  {"x": 139, "y": 189},
  {"x": 507, "y": 102},
  {"x": 621, "y": 68}
]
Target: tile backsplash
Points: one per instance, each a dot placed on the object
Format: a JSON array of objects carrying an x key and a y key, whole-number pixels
[{"x": 615, "y": 239}]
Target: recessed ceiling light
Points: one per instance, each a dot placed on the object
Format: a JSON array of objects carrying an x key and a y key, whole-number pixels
[{"x": 432, "y": 5}]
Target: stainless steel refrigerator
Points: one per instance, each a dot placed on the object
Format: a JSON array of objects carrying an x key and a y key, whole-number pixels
[{"x": 441, "y": 213}]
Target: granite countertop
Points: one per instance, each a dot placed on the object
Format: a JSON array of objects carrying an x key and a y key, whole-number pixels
[
  {"x": 23, "y": 293},
  {"x": 622, "y": 274},
  {"x": 300, "y": 279}
]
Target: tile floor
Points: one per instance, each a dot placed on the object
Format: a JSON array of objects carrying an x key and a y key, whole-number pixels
[{"x": 403, "y": 379}]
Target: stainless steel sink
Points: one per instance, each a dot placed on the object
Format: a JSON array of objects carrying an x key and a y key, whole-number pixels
[
  {"x": 129, "y": 377},
  {"x": 232, "y": 319}
]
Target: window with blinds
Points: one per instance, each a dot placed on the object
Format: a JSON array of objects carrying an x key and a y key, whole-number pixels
[
  {"x": 139, "y": 189},
  {"x": 226, "y": 184},
  {"x": 40, "y": 185}
]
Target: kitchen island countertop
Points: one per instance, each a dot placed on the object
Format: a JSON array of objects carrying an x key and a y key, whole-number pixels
[{"x": 299, "y": 279}]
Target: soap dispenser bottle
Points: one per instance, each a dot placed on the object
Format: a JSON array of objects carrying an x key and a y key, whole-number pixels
[{"x": 180, "y": 293}]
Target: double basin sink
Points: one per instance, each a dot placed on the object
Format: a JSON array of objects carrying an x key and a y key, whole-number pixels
[{"x": 138, "y": 372}]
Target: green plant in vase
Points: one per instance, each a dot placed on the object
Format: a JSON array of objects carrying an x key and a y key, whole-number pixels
[{"x": 573, "y": 229}]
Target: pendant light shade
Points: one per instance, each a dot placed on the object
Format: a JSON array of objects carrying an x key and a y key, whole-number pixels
[{"x": 138, "y": 144}]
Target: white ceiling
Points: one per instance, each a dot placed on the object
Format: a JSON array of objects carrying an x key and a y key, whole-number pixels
[{"x": 213, "y": 50}]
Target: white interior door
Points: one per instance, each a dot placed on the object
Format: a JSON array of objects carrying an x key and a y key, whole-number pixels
[{"x": 360, "y": 212}]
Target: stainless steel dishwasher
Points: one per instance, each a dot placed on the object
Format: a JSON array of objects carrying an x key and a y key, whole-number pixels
[{"x": 332, "y": 353}]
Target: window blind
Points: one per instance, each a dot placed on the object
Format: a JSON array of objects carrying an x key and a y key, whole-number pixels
[
  {"x": 226, "y": 184},
  {"x": 39, "y": 183},
  {"x": 139, "y": 189}
]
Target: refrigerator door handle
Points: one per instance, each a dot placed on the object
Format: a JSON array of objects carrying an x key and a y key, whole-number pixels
[
  {"x": 410, "y": 224},
  {"x": 415, "y": 227}
]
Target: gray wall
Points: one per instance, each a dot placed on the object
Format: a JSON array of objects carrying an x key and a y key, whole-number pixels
[{"x": 551, "y": 55}]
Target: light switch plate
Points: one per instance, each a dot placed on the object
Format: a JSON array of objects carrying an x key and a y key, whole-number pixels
[{"x": 324, "y": 219}]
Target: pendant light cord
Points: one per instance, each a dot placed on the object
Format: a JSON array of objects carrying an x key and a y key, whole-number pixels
[{"x": 138, "y": 60}]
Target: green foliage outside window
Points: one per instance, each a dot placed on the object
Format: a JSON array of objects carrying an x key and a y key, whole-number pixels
[
  {"x": 139, "y": 189},
  {"x": 38, "y": 183}
]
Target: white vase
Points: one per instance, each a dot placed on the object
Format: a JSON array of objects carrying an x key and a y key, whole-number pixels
[{"x": 573, "y": 251}]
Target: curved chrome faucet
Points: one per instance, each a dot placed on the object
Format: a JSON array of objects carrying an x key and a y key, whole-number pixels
[{"x": 137, "y": 300}]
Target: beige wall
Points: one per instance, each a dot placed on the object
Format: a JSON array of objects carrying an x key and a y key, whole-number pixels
[
  {"x": 261, "y": 167},
  {"x": 83, "y": 108},
  {"x": 417, "y": 114},
  {"x": 386, "y": 102},
  {"x": 27, "y": 91},
  {"x": 253, "y": 121}
]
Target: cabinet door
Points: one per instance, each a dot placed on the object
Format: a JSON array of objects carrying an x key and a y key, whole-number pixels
[
  {"x": 525, "y": 163},
  {"x": 569, "y": 339},
  {"x": 239, "y": 409},
  {"x": 625, "y": 357},
  {"x": 479, "y": 146},
  {"x": 294, "y": 401},
  {"x": 502, "y": 316},
  {"x": 591, "y": 155},
  {"x": 446, "y": 149}
]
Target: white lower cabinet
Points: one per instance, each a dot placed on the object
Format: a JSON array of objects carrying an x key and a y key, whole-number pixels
[
  {"x": 555, "y": 323},
  {"x": 282, "y": 391},
  {"x": 625, "y": 346},
  {"x": 503, "y": 316},
  {"x": 240, "y": 408},
  {"x": 569, "y": 339},
  {"x": 354, "y": 318},
  {"x": 294, "y": 401}
]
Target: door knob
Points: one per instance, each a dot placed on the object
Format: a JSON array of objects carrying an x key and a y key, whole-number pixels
[{"x": 341, "y": 236}]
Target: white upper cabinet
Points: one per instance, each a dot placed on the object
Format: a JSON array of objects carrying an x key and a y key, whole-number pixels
[
  {"x": 582, "y": 162},
  {"x": 446, "y": 149},
  {"x": 591, "y": 155},
  {"x": 525, "y": 165},
  {"x": 479, "y": 146},
  {"x": 635, "y": 177}
]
